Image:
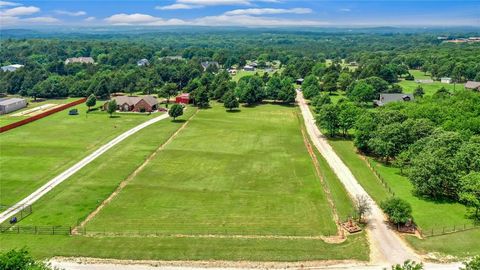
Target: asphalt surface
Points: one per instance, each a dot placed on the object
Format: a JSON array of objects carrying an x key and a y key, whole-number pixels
[{"x": 37, "y": 194}]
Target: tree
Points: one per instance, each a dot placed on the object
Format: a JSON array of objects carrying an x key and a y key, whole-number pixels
[
  {"x": 230, "y": 101},
  {"x": 91, "y": 101},
  {"x": 112, "y": 107},
  {"x": 408, "y": 265},
  {"x": 328, "y": 118},
  {"x": 201, "y": 97},
  {"x": 469, "y": 193},
  {"x": 273, "y": 87},
  {"x": 175, "y": 111},
  {"x": 21, "y": 260},
  {"x": 168, "y": 90},
  {"x": 344, "y": 80},
  {"x": 362, "y": 92},
  {"x": 347, "y": 116},
  {"x": 362, "y": 207},
  {"x": 473, "y": 264},
  {"x": 287, "y": 92},
  {"x": 434, "y": 168},
  {"x": 310, "y": 86},
  {"x": 398, "y": 210},
  {"x": 321, "y": 100},
  {"x": 389, "y": 140},
  {"x": 250, "y": 90},
  {"x": 418, "y": 92}
]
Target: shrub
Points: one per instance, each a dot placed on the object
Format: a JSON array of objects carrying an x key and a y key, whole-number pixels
[{"x": 399, "y": 211}]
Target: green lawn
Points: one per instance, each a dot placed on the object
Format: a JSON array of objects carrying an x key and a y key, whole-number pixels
[
  {"x": 6, "y": 119},
  {"x": 429, "y": 88},
  {"x": 428, "y": 214},
  {"x": 170, "y": 248},
  {"x": 242, "y": 73},
  {"x": 84, "y": 191},
  {"x": 34, "y": 153},
  {"x": 462, "y": 244},
  {"x": 227, "y": 173},
  {"x": 80, "y": 194},
  {"x": 419, "y": 75}
]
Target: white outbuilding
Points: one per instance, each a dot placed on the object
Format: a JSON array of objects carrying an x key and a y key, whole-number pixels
[
  {"x": 446, "y": 80},
  {"x": 8, "y": 105}
]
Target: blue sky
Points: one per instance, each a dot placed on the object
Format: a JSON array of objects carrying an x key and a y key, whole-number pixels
[{"x": 240, "y": 12}]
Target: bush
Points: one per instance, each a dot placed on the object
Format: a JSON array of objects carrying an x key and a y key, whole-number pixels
[
  {"x": 399, "y": 211},
  {"x": 473, "y": 264},
  {"x": 21, "y": 260}
]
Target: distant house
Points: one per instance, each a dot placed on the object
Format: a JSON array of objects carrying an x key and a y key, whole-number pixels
[
  {"x": 8, "y": 105},
  {"x": 299, "y": 81},
  {"x": 183, "y": 98},
  {"x": 446, "y": 80},
  {"x": 207, "y": 64},
  {"x": 232, "y": 71},
  {"x": 135, "y": 104},
  {"x": 143, "y": 62},
  {"x": 387, "y": 98},
  {"x": 249, "y": 68},
  {"x": 11, "y": 67},
  {"x": 472, "y": 85},
  {"x": 81, "y": 60}
]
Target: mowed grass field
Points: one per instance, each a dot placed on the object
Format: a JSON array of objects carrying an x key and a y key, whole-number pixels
[
  {"x": 32, "y": 154},
  {"x": 428, "y": 214},
  {"x": 6, "y": 119},
  {"x": 247, "y": 172},
  {"x": 429, "y": 88},
  {"x": 74, "y": 199}
]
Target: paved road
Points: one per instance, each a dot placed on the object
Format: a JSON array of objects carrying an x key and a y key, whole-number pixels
[
  {"x": 36, "y": 195},
  {"x": 386, "y": 246}
]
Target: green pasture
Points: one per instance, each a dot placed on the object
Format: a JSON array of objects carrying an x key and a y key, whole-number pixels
[
  {"x": 193, "y": 249},
  {"x": 34, "y": 153},
  {"x": 245, "y": 172},
  {"x": 6, "y": 119}
]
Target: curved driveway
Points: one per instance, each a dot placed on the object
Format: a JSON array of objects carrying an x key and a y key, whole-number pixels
[
  {"x": 386, "y": 246},
  {"x": 37, "y": 194}
]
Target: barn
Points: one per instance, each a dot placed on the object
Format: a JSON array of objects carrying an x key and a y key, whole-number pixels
[
  {"x": 183, "y": 98},
  {"x": 8, "y": 105}
]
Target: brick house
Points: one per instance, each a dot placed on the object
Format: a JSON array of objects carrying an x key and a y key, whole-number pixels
[{"x": 135, "y": 104}]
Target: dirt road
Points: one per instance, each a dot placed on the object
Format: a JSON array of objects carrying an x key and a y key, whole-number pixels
[
  {"x": 100, "y": 264},
  {"x": 386, "y": 246},
  {"x": 37, "y": 194}
]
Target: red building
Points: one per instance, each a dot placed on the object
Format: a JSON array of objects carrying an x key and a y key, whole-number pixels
[{"x": 183, "y": 98}]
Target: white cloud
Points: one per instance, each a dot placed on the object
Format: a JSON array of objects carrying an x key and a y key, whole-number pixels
[
  {"x": 142, "y": 19},
  {"x": 177, "y": 6},
  {"x": 248, "y": 20},
  {"x": 215, "y": 2},
  {"x": 264, "y": 11},
  {"x": 46, "y": 19},
  {"x": 5, "y": 20},
  {"x": 71, "y": 13},
  {"x": 19, "y": 11},
  {"x": 345, "y": 10},
  {"x": 89, "y": 19},
  {"x": 5, "y": 3}
]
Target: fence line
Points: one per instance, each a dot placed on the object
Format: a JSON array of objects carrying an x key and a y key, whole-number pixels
[
  {"x": 448, "y": 229},
  {"x": 27, "y": 229},
  {"x": 379, "y": 176},
  {"x": 41, "y": 115}
]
